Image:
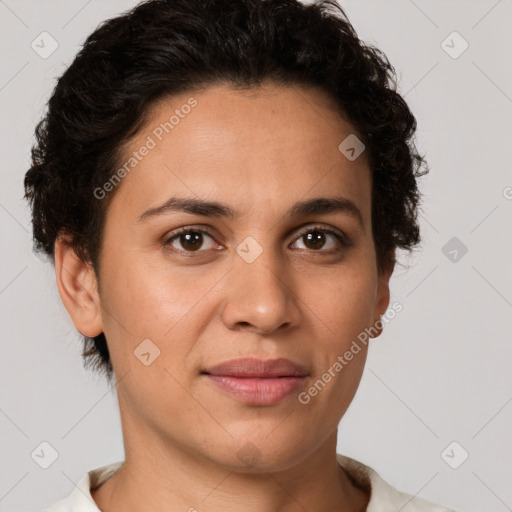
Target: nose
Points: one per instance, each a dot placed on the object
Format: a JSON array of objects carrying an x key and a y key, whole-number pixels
[{"x": 260, "y": 296}]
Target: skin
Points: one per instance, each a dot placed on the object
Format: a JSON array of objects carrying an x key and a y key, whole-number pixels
[{"x": 258, "y": 152}]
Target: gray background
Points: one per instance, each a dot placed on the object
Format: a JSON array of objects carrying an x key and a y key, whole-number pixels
[{"x": 440, "y": 372}]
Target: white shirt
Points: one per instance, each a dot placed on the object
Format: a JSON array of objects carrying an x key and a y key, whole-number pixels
[{"x": 383, "y": 497}]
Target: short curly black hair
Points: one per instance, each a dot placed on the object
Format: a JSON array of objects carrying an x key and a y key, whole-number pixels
[{"x": 166, "y": 47}]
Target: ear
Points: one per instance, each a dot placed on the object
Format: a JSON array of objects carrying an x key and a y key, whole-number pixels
[
  {"x": 77, "y": 286},
  {"x": 383, "y": 295}
]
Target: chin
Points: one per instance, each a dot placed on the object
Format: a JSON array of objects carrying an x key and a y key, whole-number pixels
[{"x": 253, "y": 454}]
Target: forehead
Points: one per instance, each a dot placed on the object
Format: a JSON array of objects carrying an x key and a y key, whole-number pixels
[{"x": 258, "y": 145}]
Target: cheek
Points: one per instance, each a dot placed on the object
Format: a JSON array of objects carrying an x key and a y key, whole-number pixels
[
  {"x": 153, "y": 304},
  {"x": 342, "y": 302},
  {"x": 341, "y": 354},
  {"x": 166, "y": 306},
  {"x": 344, "y": 308},
  {"x": 148, "y": 300}
]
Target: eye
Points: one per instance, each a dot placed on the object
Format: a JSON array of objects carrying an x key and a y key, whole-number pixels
[
  {"x": 322, "y": 240},
  {"x": 190, "y": 240},
  {"x": 316, "y": 239}
]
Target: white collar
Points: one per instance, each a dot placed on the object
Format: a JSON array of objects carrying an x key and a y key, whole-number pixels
[{"x": 383, "y": 497}]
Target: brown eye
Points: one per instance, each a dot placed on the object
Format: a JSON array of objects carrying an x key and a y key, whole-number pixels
[
  {"x": 191, "y": 240},
  {"x": 322, "y": 240},
  {"x": 314, "y": 240}
]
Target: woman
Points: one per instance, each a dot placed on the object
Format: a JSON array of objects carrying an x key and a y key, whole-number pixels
[{"x": 222, "y": 187}]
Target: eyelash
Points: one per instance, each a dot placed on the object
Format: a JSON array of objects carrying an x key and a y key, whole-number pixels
[{"x": 340, "y": 237}]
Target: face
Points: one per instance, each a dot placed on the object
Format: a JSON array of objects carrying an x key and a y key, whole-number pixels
[{"x": 265, "y": 272}]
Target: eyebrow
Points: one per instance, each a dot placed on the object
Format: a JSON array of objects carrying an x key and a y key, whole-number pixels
[{"x": 315, "y": 206}]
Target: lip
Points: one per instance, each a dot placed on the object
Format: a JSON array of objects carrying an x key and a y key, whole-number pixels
[{"x": 257, "y": 381}]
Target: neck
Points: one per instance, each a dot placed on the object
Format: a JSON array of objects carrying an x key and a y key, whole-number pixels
[
  {"x": 317, "y": 483},
  {"x": 164, "y": 475}
]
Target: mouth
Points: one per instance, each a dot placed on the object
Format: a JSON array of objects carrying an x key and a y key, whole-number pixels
[{"x": 256, "y": 381}]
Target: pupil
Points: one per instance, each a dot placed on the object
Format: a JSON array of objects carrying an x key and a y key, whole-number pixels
[
  {"x": 315, "y": 240},
  {"x": 191, "y": 241}
]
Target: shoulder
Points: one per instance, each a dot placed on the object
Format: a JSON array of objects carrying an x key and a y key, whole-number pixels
[
  {"x": 80, "y": 499},
  {"x": 384, "y": 497}
]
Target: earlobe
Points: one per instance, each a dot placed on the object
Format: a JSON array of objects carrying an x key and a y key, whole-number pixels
[{"x": 76, "y": 282}]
